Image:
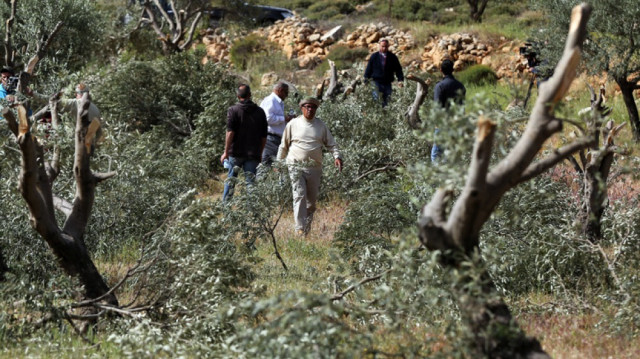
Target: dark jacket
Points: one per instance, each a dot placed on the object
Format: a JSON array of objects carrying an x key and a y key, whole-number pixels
[
  {"x": 449, "y": 88},
  {"x": 248, "y": 123},
  {"x": 378, "y": 73}
]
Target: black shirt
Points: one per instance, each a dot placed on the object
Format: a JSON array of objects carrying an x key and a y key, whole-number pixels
[
  {"x": 248, "y": 123},
  {"x": 449, "y": 88}
]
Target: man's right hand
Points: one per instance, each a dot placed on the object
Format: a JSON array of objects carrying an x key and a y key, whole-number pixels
[{"x": 223, "y": 157}]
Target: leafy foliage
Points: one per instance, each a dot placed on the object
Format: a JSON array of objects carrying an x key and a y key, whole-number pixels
[
  {"x": 477, "y": 75},
  {"x": 173, "y": 95},
  {"x": 81, "y": 33}
]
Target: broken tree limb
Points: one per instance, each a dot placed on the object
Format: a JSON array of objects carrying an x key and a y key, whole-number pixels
[
  {"x": 333, "y": 81},
  {"x": 413, "y": 112}
]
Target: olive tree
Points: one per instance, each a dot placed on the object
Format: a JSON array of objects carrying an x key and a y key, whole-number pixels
[
  {"x": 35, "y": 183},
  {"x": 456, "y": 232},
  {"x": 613, "y": 45}
]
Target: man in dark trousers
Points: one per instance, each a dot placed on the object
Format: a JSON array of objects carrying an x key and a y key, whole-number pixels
[
  {"x": 245, "y": 139},
  {"x": 382, "y": 67},
  {"x": 446, "y": 90}
]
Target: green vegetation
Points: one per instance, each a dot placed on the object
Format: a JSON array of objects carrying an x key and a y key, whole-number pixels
[{"x": 477, "y": 75}]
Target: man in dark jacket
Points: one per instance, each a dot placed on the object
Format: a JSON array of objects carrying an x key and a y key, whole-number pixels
[
  {"x": 447, "y": 89},
  {"x": 245, "y": 139},
  {"x": 382, "y": 67}
]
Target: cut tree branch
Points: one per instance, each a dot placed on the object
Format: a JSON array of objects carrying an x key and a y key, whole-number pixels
[{"x": 413, "y": 113}]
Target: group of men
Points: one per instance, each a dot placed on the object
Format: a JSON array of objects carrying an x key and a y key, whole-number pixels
[
  {"x": 259, "y": 134},
  {"x": 262, "y": 133}
]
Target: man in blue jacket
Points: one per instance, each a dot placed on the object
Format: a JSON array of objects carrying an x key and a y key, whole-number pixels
[
  {"x": 447, "y": 90},
  {"x": 382, "y": 67}
]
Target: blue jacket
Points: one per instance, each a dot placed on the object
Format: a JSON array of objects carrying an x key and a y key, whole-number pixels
[
  {"x": 378, "y": 73},
  {"x": 449, "y": 88}
]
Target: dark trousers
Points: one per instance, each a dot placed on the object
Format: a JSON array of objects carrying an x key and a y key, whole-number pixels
[
  {"x": 270, "y": 149},
  {"x": 382, "y": 89}
]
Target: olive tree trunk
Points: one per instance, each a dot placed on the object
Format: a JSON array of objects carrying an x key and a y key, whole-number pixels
[
  {"x": 36, "y": 179},
  {"x": 594, "y": 166},
  {"x": 477, "y": 9},
  {"x": 456, "y": 233},
  {"x": 627, "y": 89}
]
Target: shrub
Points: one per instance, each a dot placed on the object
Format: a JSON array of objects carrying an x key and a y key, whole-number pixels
[
  {"x": 477, "y": 75},
  {"x": 245, "y": 48},
  {"x": 343, "y": 56},
  {"x": 327, "y": 10},
  {"x": 169, "y": 91}
]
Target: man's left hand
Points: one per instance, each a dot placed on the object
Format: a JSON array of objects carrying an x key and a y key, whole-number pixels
[{"x": 338, "y": 163}]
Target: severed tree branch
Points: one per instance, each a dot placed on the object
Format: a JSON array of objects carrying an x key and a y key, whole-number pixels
[
  {"x": 413, "y": 112},
  {"x": 352, "y": 87},
  {"x": 339, "y": 296},
  {"x": 556, "y": 157},
  {"x": 333, "y": 80}
]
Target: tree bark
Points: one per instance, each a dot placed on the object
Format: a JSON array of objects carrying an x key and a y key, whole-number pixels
[
  {"x": 477, "y": 9},
  {"x": 627, "y": 89},
  {"x": 179, "y": 37},
  {"x": 35, "y": 186},
  {"x": 413, "y": 112},
  {"x": 3, "y": 266},
  {"x": 456, "y": 235}
]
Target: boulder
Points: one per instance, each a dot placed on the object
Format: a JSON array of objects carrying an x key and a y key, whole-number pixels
[{"x": 269, "y": 79}]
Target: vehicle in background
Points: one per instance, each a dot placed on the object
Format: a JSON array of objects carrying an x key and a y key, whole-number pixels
[{"x": 258, "y": 14}]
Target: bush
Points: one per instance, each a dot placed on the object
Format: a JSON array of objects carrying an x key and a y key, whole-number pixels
[
  {"x": 169, "y": 91},
  {"x": 478, "y": 75},
  {"x": 328, "y": 10},
  {"x": 343, "y": 56},
  {"x": 245, "y": 48}
]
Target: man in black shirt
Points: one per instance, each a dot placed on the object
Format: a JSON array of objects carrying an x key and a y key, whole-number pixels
[
  {"x": 245, "y": 139},
  {"x": 382, "y": 66},
  {"x": 447, "y": 89}
]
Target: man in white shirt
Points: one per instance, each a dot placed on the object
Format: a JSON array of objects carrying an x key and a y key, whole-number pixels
[
  {"x": 273, "y": 106},
  {"x": 302, "y": 143}
]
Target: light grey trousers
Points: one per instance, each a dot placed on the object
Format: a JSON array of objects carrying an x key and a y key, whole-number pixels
[{"x": 305, "y": 183}]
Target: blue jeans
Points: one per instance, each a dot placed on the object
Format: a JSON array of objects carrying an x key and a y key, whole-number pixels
[
  {"x": 384, "y": 89},
  {"x": 248, "y": 165},
  {"x": 436, "y": 151}
]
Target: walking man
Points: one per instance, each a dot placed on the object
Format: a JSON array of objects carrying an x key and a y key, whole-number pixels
[
  {"x": 245, "y": 139},
  {"x": 446, "y": 90},
  {"x": 382, "y": 67},
  {"x": 302, "y": 143},
  {"x": 273, "y": 106}
]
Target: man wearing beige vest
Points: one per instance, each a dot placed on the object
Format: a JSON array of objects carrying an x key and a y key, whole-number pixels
[{"x": 302, "y": 142}]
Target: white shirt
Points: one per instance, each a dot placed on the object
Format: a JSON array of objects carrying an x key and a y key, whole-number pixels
[
  {"x": 304, "y": 139},
  {"x": 273, "y": 107}
]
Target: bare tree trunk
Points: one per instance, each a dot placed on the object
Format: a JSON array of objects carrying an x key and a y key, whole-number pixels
[
  {"x": 35, "y": 186},
  {"x": 179, "y": 35},
  {"x": 8, "y": 48},
  {"x": 594, "y": 167},
  {"x": 3, "y": 266},
  {"x": 456, "y": 233},
  {"x": 477, "y": 9},
  {"x": 413, "y": 112},
  {"x": 627, "y": 89}
]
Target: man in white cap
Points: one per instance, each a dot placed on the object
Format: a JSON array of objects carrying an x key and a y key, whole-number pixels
[{"x": 302, "y": 142}]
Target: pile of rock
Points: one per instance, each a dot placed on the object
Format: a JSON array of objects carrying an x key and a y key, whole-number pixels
[
  {"x": 368, "y": 36},
  {"x": 299, "y": 39},
  {"x": 462, "y": 48},
  {"x": 217, "y": 45}
]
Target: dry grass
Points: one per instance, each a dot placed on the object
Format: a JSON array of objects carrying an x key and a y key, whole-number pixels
[{"x": 578, "y": 337}]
